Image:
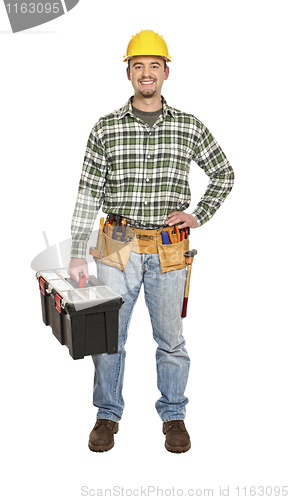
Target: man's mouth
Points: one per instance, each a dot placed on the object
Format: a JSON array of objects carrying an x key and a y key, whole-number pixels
[{"x": 146, "y": 82}]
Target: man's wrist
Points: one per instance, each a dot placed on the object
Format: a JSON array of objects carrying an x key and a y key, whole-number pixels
[
  {"x": 197, "y": 219},
  {"x": 78, "y": 250},
  {"x": 74, "y": 255}
]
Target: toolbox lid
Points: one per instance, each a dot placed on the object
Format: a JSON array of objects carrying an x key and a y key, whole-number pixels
[{"x": 92, "y": 295}]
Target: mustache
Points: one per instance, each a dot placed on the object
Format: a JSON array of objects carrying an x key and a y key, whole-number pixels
[{"x": 146, "y": 79}]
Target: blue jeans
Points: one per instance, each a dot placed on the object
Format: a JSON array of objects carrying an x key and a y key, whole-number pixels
[{"x": 164, "y": 299}]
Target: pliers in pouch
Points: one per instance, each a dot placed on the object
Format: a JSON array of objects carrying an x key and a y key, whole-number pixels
[{"x": 123, "y": 222}]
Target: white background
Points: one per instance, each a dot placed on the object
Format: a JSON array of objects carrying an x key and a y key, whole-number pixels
[{"x": 230, "y": 66}]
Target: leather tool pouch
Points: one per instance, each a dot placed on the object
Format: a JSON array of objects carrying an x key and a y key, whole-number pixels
[
  {"x": 113, "y": 252},
  {"x": 171, "y": 256}
]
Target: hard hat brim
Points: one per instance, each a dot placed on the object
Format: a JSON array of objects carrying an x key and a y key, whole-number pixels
[{"x": 126, "y": 58}]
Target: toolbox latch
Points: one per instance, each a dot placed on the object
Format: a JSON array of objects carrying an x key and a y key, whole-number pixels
[
  {"x": 57, "y": 300},
  {"x": 42, "y": 286}
]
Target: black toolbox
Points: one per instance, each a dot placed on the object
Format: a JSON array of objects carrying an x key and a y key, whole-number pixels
[{"x": 84, "y": 319}]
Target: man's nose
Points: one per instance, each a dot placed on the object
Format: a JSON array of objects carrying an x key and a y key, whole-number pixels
[{"x": 146, "y": 73}]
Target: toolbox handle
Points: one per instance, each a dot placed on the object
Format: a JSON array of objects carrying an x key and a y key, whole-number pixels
[
  {"x": 92, "y": 281},
  {"x": 82, "y": 278}
]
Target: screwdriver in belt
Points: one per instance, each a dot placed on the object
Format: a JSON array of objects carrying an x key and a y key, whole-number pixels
[
  {"x": 102, "y": 222},
  {"x": 185, "y": 231}
]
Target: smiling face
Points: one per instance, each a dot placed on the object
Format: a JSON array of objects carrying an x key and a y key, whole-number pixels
[{"x": 147, "y": 75}]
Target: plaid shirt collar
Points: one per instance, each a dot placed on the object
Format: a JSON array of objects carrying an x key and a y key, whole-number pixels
[{"x": 127, "y": 109}]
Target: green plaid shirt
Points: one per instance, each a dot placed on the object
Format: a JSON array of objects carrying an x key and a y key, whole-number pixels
[{"x": 141, "y": 173}]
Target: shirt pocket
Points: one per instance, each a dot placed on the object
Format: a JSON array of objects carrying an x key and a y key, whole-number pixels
[
  {"x": 176, "y": 163},
  {"x": 177, "y": 155}
]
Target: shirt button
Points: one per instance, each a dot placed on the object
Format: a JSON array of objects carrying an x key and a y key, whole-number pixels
[
  {"x": 148, "y": 156},
  {"x": 147, "y": 180},
  {"x": 145, "y": 203}
]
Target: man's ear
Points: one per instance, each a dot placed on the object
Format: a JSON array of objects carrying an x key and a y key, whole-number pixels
[
  {"x": 166, "y": 73},
  {"x": 128, "y": 73}
]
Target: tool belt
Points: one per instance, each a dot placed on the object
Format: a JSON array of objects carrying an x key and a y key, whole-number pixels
[{"x": 116, "y": 242}]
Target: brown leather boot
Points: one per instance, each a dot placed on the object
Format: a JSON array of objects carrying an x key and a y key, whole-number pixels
[
  {"x": 177, "y": 437},
  {"x": 102, "y": 436}
]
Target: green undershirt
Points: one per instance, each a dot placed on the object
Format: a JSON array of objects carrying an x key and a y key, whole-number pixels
[{"x": 148, "y": 117}]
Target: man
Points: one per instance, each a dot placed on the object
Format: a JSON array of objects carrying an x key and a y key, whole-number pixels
[{"x": 137, "y": 164}]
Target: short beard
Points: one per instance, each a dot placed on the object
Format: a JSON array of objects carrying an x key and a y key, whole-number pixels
[{"x": 148, "y": 96}]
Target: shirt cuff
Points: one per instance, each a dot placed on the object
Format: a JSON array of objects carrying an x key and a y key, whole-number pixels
[
  {"x": 78, "y": 250},
  {"x": 200, "y": 215}
]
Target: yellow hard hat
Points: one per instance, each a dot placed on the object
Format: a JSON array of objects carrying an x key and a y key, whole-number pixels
[{"x": 147, "y": 43}]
